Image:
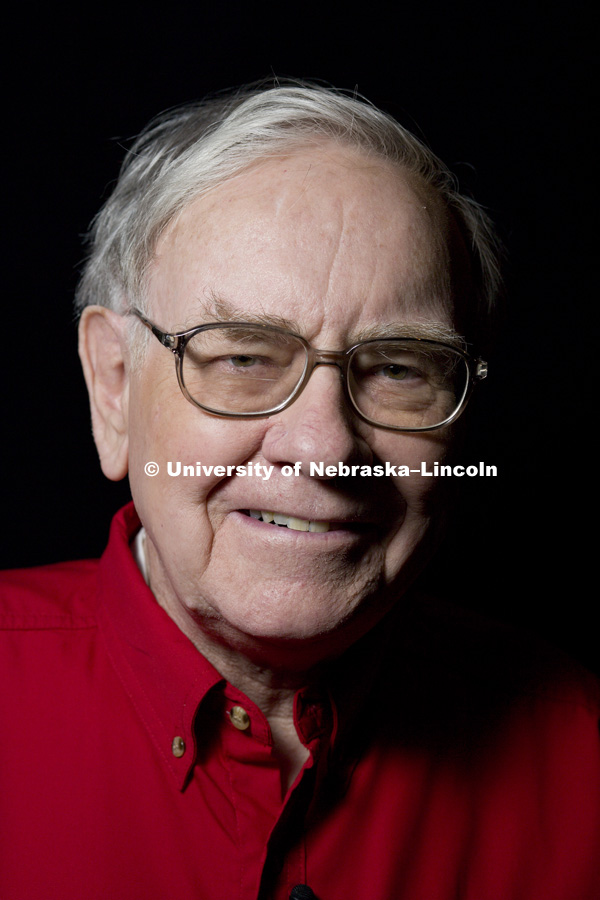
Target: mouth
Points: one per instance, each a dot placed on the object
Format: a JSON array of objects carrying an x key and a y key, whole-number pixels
[{"x": 291, "y": 522}]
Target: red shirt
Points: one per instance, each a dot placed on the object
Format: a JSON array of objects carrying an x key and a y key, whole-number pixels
[{"x": 449, "y": 760}]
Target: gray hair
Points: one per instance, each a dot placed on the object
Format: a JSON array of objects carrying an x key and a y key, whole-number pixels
[{"x": 187, "y": 151}]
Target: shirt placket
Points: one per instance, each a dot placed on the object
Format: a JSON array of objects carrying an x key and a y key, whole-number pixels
[{"x": 272, "y": 854}]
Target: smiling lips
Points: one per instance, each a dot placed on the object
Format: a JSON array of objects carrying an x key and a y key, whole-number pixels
[{"x": 289, "y": 521}]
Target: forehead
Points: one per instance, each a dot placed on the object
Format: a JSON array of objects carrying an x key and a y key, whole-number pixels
[{"x": 323, "y": 238}]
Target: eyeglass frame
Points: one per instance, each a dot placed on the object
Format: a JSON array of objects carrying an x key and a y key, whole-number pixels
[{"x": 176, "y": 342}]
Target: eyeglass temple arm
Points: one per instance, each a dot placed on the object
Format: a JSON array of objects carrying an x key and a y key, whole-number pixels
[{"x": 171, "y": 341}]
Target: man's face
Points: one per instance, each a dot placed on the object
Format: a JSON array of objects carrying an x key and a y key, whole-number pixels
[{"x": 342, "y": 247}]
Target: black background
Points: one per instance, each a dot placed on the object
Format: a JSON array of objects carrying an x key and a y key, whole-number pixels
[{"x": 503, "y": 93}]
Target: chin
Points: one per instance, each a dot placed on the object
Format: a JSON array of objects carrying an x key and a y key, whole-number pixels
[{"x": 316, "y": 623}]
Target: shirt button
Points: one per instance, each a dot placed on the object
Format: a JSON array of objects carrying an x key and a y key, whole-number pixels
[
  {"x": 178, "y": 747},
  {"x": 239, "y": 718}
]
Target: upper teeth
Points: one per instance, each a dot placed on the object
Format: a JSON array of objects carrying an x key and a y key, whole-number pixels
[{"x": 290, "y": 521}]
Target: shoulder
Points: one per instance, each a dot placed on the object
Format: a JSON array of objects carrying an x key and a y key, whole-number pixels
[{"x": 62, "y": 595}]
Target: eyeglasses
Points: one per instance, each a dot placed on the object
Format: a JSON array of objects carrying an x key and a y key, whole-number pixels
[{"x": 244, "y": 370}]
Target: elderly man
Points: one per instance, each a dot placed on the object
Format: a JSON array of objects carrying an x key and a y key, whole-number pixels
[{"x": 247, "y": 697}]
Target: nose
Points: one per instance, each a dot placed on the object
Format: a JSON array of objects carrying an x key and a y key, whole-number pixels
[{"x": 320, "y": 426}]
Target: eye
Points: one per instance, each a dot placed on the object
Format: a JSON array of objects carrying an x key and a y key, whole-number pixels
[
  {"x": 396, "y": 372},
  {"x": 243, "y": 362}
]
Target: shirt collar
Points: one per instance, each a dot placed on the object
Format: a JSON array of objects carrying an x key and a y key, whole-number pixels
[{"x": 161, "y": 670}]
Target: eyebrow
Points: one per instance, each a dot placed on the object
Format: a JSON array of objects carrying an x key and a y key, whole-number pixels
[
  {"x": 425, "y": 331},
  {"x": 218, "y": 309}
]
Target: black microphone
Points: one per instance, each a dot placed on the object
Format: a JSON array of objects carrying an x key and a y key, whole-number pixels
[{"x": 302, "y": 892}]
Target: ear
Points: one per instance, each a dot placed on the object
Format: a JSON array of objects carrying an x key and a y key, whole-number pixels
[{"x": 105, "y": 361}]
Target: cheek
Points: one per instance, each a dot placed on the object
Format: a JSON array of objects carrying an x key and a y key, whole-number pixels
[
  {"x": 414, "y": 451},
  {"x": 421, "y": 495},
  {"x": 165, "y": 429}
]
